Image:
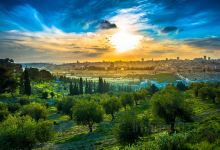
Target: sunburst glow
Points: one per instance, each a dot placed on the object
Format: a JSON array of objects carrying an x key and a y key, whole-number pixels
[{"x": 123, "y": 41}]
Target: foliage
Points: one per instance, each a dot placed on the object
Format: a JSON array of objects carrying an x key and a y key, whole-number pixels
[
  {"x": 181, "y": 86},
  {"x": 44, "y": 131},
  {"x": 131, "y": 129},
  {"x": 88, "y": 113},
  {"x": 23, "y": 133},
  {"x": 111, "y": 106},
  {"x": 65, "y": 106},
  {"x": 172, "y": 142},
  {"x": 27, "y": 84},
  {"x": 24, "y": 101},
  {"x": 3, "y": 111},
  {"x": 153, "y": 89},
  {"x": 7, "y": 82},
  {"x": 35, "y": 110},
  {"x": 127, "y": 99},
  {"x": 45, "y": 95},
  {"x": 138, "y": 96},
  {"x": 13, "y": 107},
  {"x": 169, "y": 104}
]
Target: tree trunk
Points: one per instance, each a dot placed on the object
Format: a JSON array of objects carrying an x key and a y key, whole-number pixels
[
  {"x": 172, "y": 127},
  {"x": 90, "y": 128},
  {"x": 113, "y": 116},
  {"x": 136, "y": 103}
]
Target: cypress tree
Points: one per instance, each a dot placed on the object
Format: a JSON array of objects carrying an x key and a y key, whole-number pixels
[
  {"x": 27, "y": 84},
  {"x": 80, "y": 86},
  {"x": 71, "y": 90},
  {"x": 76, "y": 89},
  {"x": 86, "y": 87}
]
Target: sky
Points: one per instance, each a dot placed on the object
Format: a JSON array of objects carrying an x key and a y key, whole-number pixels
[{"x": 61, "y": 31}]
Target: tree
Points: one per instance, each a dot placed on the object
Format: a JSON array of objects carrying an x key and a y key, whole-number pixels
[
  {"x": 22, "y": 132},
  {"x": 66, "y": 106},
  {"x": 181, "y": 86},
  {"x": 27, "y": 84},
  {"x": 7, "y": 81},
  {"x": 131, "y": 129},
  {"x": 52, "y": 94},
  {"x": 207, "y": 93},
  {"x": 45, "y": 95},
  {"x": 153, "y": 89},
  {"x": 80, "y": 85},
  {"x": 71, "y": 90},
  {"x": 139, "y": 95},
  {"x": 100, "y": 86},
  {"x": 111, "y": 106},
  {"x": 127, "y": 99},
  {"x": 35, "y": 110},
  {"x": 88, "y": 113},
  {"x": 169, "y": 104},
  {"x": 76, "y": 89}
]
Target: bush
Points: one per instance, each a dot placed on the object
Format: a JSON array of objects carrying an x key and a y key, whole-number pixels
[
  {"x": 44, "y": 131},
  {"x": 88, "y": 113},
  {"x": 131, "y": 129},
  {"x": 13, "y": 107},
  {"x": 24, "y": 101},
  {"x": 44, "y": 95},
  {"x": 209, "y": 130},
  {"x": 35, "y": 110},
  {"x": 3, "y": 111},
  {"x": 172, "y": 142},
  {"x": 22, "y": 133}
]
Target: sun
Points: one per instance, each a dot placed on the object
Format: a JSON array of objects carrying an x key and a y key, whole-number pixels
[{"x": 124, "y": 41}]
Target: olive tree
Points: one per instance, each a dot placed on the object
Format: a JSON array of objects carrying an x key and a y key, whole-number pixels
[
  {"x": 23, "y": 132},
  {"x": 131, "y": 128},
  {"x": 111, "y": 106},
  {"x": 169, "y": 104},
  {"x": 35, "y": 110},
  {"x": 88, "y": 113},
  {"x": 127, "y": 99}
]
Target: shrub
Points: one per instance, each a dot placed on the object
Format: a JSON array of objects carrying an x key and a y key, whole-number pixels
[
  {"x": 13, "y": 107},
  {"x": 35, "y": 110},
  {"x": 172, "y": 142},
  {"x": 88, "y": 113},
  {"x": 24, "y": 101},
  {"x": 44, "y": 95},
  {"x": 3, "y": 111},
  {"x": 44, "y": 131}
]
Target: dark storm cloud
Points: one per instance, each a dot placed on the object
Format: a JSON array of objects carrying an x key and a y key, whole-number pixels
[
  {"x": 105, "y": 24},
  {"x": 169, "y": 29},
  {"x": 205, "y": 43}
]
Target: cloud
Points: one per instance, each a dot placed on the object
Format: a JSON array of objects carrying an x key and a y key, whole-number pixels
[
  {"x": 211, "y": 43},
  {"x": 105, "y": 24},
  {"x": 169, "y": 29}
]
